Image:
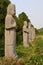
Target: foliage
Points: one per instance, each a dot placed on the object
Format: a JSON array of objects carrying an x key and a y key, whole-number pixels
[
  {"x": 22, "y": 17},
  {"x": 4, "y": 61},
  {"x": 40, "y": 31},
  {"x": 3, "y": 10},
  {"x": 32, "y": 55},
  {"x": 36, "y": 30}
]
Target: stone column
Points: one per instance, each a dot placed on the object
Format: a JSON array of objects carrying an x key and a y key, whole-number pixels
[
  {"x": 10, "y": 33},
  {"x": 25, "y": 35}
]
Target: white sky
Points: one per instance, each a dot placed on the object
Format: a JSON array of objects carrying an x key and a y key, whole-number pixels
[{"x": 33, "y": 9}]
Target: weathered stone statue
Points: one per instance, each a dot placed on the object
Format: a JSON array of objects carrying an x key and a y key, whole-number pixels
[
  {"x": 30, "y": 33},
  {"x": 25, "y": 34},
  {"x": 10, "y": 33},
  {"x": 33, "y": 33}
]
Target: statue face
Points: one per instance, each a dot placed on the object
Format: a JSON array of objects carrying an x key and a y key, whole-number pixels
[{"x": 11, "y": 9}]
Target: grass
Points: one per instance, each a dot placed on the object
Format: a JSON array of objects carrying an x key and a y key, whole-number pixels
[{"x": 30, "y": 56}]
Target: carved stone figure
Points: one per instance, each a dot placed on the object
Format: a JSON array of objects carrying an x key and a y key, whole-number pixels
[
  {"x": 31, "y": 35},
  {"x": 25, "y": 34},
  {"x": 10, "y": 33}
]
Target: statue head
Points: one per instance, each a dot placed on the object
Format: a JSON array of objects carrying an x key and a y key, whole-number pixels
[
  {"x": 11, "y": 9},
  {"x": 25, "y": 23}
]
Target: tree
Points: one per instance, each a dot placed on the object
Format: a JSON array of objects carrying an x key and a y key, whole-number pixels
[
  {"x": 22, "y": 17},
  {"x": 3, "y": 10}
]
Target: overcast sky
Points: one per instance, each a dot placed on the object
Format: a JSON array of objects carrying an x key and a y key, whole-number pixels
[{"x": 33, "y": 9}]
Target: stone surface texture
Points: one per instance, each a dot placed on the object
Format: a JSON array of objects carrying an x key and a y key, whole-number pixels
[
  {"x": 10, "y": 33},
  {"x": 25, "y": 34}
]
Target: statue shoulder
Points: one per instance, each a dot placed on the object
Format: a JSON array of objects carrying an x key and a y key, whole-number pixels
[{"x": 8, "y": 20}]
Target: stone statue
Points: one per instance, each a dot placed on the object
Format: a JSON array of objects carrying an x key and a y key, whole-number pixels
[
  {"x": 10, "y": 33},
  {"x": 33, "y": 33},
  {"x": 29, "y": 35},
  {"x": 25, "y": 34}
]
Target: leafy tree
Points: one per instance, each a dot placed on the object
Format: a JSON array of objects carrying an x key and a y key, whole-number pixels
[
  {"x": 22, "y": 17},
  {"x": 3, "y": 10}
]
